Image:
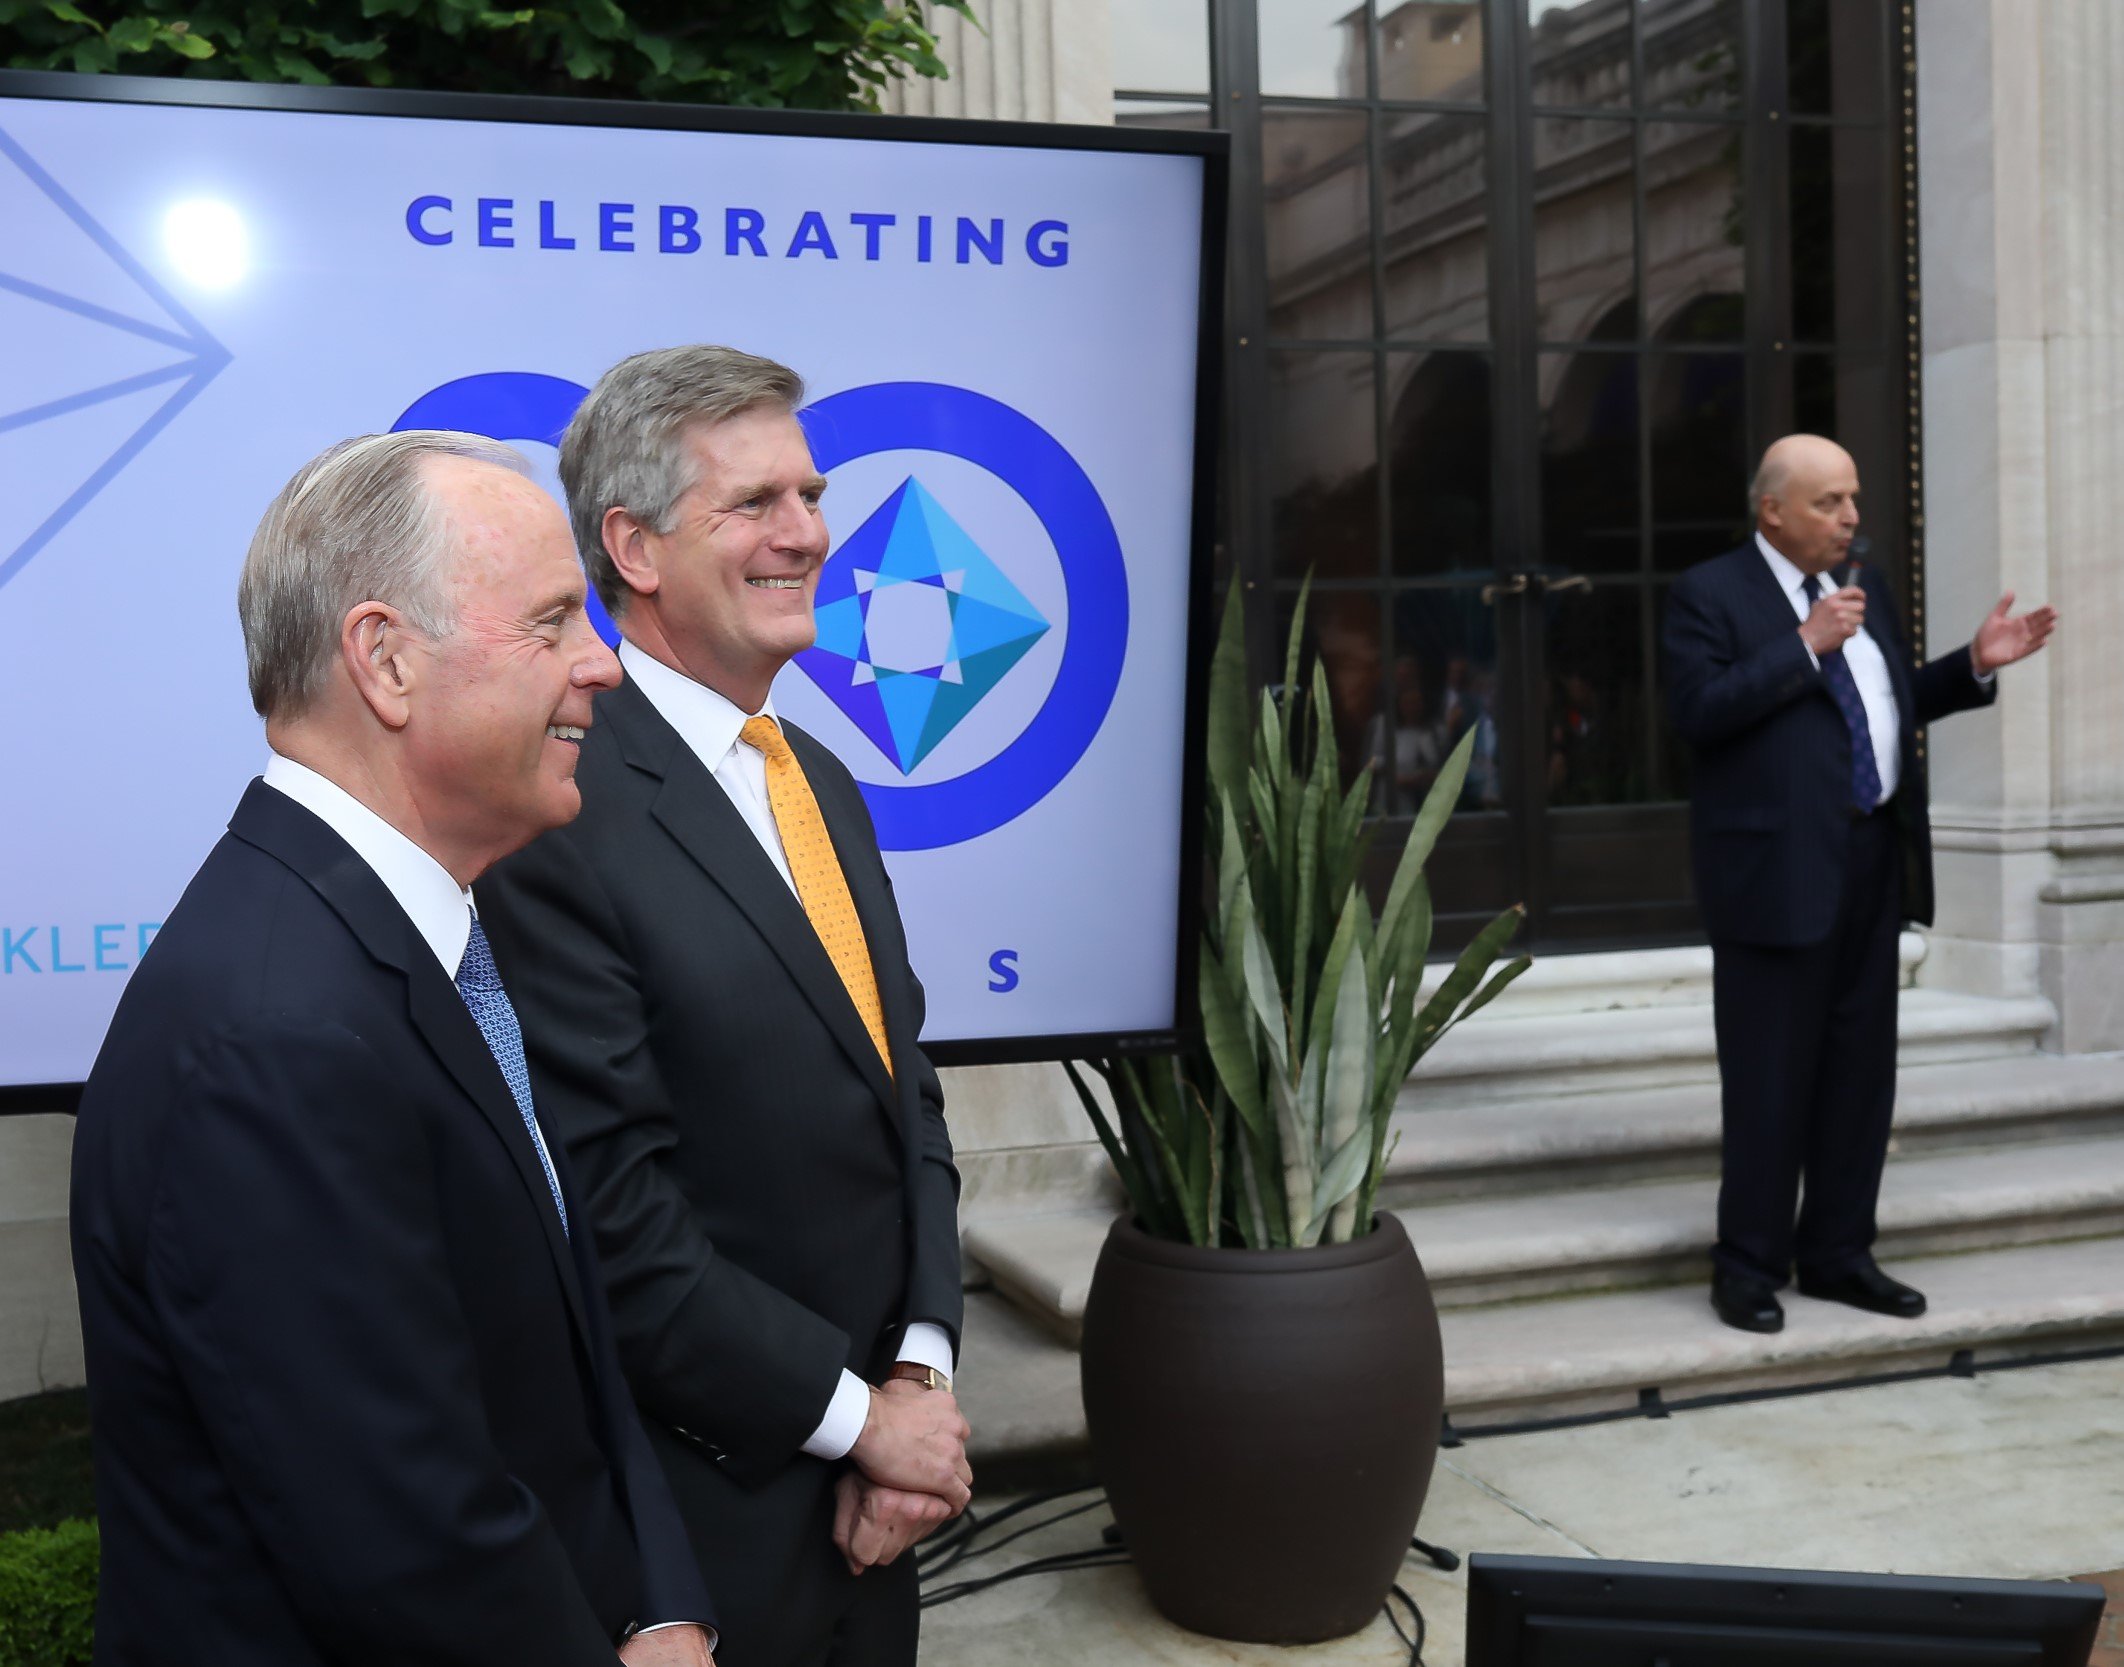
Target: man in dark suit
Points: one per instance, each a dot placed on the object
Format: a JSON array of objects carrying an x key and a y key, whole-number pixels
[
  {"x": 1788, "y": 674},
  {"x": 350, "y": 1366},
  {"x": 723, "y": 1024}
]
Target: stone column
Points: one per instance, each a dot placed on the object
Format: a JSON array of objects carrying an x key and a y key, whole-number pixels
[
  {"x": 1030, "y": 61},
  {"x": 2021, "y": 180}
]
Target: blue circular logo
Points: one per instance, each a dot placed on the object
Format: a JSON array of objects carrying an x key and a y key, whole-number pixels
[{"x": 955, "y": 422}]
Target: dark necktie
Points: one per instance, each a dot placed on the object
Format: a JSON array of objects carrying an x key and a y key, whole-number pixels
[
  {"x": 1843, "y": 689},
  {"x": 480, "y": 984}
]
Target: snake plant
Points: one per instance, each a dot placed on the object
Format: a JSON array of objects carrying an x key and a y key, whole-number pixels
[{"x": 1272, "y": 1129}]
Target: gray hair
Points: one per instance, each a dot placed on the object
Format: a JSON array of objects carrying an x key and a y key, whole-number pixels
[
  {"x": 626, "y": 447},
  {"x": 358, "y": 523}
]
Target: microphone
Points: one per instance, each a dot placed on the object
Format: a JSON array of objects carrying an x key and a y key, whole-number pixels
[{"x": 1848, "y": 572}]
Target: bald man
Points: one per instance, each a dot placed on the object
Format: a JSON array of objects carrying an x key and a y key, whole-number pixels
[{"x": 1788, "y": 674}]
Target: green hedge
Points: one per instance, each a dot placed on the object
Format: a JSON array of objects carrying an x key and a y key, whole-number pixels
[{"x": 48, "y": 1595}]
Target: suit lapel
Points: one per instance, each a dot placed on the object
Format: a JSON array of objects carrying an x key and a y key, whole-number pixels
[
  {"x": 693, "y": 809},
  {"x": 283, "y": 829}
]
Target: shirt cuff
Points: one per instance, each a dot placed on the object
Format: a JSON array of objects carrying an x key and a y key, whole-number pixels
[
  {"x": 928, "y": 1345},
  {"x": 665, "y": 1626},
  {"x": 845, "y": 1416}
]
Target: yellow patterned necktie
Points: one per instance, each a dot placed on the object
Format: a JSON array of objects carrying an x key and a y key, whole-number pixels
[{"x": 820, "y": 884}]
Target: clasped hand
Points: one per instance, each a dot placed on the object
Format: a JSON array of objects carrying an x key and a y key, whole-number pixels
[{"x": 910, "y": 1474}]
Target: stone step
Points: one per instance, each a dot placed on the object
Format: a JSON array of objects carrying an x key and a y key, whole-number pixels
[
  {"x": 1549, "y": 1141},
  {"x": 1603, "y": 981},
  {"x": 1490, "y": 1061},
  {"x": 1534, "y": 1360},
  {"x": 1658, "y": 1232},
  {"x": 40, "y": 1325},
  {"x": 1524, "y": 1362}
]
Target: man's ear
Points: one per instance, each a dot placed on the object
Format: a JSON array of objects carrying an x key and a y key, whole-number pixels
[
  {"x": 630, "y": 546},
  {"x": 375, "y": 647}
]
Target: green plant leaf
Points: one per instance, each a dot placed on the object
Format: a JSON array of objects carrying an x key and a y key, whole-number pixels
[
  {"x": 1229, "y": 742},
  {"x": 1147, "y": 1205},
  {"x": 1340, "y": 1179},
  {"x": 1293, "y": 646},
  {"x": 1264, "y": 996},
  {"x": 1438, "y": 1013},
  {"x": 1228, "y": 1038}
]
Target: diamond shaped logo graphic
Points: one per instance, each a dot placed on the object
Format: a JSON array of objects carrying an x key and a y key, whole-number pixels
[
  {"x": 916, "y": 626},
  {"x": 105, "y": 330}
]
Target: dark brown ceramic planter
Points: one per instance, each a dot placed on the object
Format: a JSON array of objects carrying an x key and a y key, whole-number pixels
[{"x": 1265, "y": 1422}]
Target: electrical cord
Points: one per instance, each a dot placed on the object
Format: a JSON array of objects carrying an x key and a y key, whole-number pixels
[{"x": 965, "y": 1540}]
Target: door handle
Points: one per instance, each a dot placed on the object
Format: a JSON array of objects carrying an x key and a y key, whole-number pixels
[
  {"x": 1514, "y": 586},
  {"x": 1577, "y": 581}
]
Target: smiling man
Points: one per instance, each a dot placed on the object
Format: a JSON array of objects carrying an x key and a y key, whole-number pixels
[
  {"x": 1788, "y": 674},
  {"x": 722, "y": 1024},
  {"x": 349, "y": 1360}
]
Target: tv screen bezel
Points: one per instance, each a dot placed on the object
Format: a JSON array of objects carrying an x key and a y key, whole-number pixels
[
  {"x": 1210, "y": 146},
  {"x": 1505, "y": 1592}
]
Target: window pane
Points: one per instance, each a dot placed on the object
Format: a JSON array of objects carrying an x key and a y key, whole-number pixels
[
  {"x": 1431, "y": 49},
  {"x": 1692, "y": 53},
  {"x": 1317, "y": 205},
  {"x": 1852, "y": 398},
  {"x": 1837, "y": 58},
  {"x": 1437, "y": 212},
  {"x": 1589, "y": 462},
  {"x": 1342, "y": 627},
  {"x": 1438, "y": 429},
  {"x": 1442, "y": 683},
  {"x": 1843, "y": 234},
  {"x": 1324, "y": 453},
  {"x": 1314, "y": 48},
  {"x": 1695, "y": 232},
  {"x": 1581, "y": 52},
  {"x": 1161, "y": 45},
  {"x": 1585, "y": 270},
  {"x": 1700, "y": 462},
  {"x": 1594, "y": 708},
  {"x": 1170, "y": 115}
]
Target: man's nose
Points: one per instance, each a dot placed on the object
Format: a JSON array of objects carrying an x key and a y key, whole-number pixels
[{"x": 597, "y": 667}]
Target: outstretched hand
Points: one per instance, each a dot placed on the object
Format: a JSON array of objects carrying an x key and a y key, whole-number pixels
[{"x": 2002, "y": 638}]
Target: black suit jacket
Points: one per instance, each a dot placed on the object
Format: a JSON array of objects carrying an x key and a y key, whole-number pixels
[
  {"x": 354, "y": 1392},
  {"x": 1770, "y": 786},
  {"x": 770, "y": 1205}
]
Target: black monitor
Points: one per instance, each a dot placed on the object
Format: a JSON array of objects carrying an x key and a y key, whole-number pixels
[{"x": 1578, "y": 1612}]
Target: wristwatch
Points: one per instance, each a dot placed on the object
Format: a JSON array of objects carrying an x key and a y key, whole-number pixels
[{"x": 927, "y": 1376}]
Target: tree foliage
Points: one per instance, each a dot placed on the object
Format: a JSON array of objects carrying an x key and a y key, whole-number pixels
[{"x": 793, "y": 54}]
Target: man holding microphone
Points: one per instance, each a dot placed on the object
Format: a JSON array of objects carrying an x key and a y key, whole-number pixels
[{"x": 1788, "y": 673}]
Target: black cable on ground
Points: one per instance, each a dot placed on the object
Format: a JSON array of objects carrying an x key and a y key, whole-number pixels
[
  {"x": 963, "y": 1541},
  {"x": 1415, "y": 1639}
]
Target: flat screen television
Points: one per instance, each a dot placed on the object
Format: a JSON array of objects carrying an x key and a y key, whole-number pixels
[
  {"x": 1008, "y": 332},
  {"x": 1577, "y": 1612}
]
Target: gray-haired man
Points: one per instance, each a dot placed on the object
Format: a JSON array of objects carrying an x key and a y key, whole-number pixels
[
  {"x": 723, "y": 1026},
  {"x": 348, "y": 1354}
]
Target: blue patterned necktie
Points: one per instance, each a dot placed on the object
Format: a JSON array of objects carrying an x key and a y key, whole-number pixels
[
  {"x": 479, "y": 982},
  {"x": 1843, "y": 689}
]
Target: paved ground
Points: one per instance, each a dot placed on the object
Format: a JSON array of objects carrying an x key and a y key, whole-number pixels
[{"x": 2012, "y": 1473}]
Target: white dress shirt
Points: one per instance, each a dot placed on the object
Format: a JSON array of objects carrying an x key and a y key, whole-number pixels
[
  {"x": 441, "y": 910},
  {"x": 709, "y": 724},
  {"x": 1869, "y": 670}
]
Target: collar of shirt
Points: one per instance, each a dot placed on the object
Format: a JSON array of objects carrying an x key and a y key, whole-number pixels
[
  {"x": 1789, "y": 578},
  {"x": 706, "y": 721},
  {"x": 440, "y": 909}
]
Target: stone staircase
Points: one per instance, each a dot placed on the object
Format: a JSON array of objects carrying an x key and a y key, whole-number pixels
[{"x": 1556, "y": 1165}]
